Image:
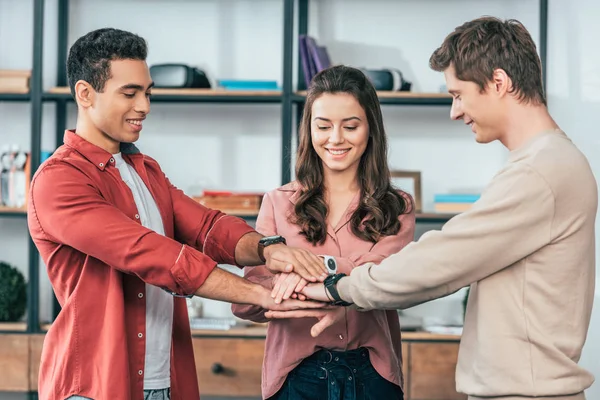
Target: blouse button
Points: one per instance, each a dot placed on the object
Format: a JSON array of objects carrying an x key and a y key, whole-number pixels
[
  {"x": 140, "y": 335},
  {"x": 140, "y": 295},
  {"x": 140, "y": 372},
  {"x": 112, "y": 160},
  {"x": 341, "y": 337},
  {"x": 137, "y": 216},
  {"x": 101, "y": 164}
]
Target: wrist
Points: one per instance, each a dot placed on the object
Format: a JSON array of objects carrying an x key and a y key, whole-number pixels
[
  {"x": 261, "y": 296},
  {"x": 268, "y": 251}
]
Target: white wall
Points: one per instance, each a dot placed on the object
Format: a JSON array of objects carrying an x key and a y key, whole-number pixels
[
  {"x": 574, "y": 100},
  {"x": 238, "y": 146}
]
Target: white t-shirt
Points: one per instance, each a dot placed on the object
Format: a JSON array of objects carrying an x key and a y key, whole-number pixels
[{"x": 159, "y": 304}]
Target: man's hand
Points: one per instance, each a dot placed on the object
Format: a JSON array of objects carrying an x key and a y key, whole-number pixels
[
  {"x": 281, "y": 258},
  {"x": 326, "y": 316},
  {"x": 286, "y": 285}
]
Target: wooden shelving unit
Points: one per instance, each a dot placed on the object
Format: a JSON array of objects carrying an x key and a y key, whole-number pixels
[
  {"x": 189, "y": 95},
  {"x": 399, "y": 98},
  {"x": 12, "y": 212}
]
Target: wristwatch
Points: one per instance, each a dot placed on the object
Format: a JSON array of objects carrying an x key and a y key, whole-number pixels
[
  {"x": 330, "y": 264},
  {"x": 330, "y": 285},
  {"x": 268, "y": 241}
]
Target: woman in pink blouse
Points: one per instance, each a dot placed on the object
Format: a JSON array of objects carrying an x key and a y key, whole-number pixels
[{"x": 342, "y": 207}]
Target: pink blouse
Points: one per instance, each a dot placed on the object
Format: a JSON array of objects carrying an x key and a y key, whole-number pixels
[{"x": 288, "y": 341}]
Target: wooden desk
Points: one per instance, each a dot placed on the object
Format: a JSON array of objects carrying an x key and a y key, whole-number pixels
[{"x": 229, "y": 363}]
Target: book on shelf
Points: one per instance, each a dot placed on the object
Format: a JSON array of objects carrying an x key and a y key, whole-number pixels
[
  {"x": 14, "y": 81},
  {"x": 229, "y": 202},
  {"x": 454, "y": 202}
]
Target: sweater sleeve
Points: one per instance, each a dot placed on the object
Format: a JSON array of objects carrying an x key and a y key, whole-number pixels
[{"x": 512, "y": 219}]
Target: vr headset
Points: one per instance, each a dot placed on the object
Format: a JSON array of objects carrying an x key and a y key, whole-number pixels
[
  {"x": 176, "y": 76},
  {"x": 388, "y": 79}
]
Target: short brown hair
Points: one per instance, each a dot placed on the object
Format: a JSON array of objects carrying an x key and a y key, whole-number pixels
[{"x": 480, "y": 46}]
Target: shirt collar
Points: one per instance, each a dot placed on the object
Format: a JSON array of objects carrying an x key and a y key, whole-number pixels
[{"x": 94, "y": 154}]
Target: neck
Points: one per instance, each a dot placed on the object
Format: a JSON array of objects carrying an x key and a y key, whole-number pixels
[
  {"x": 525, "y": 123},
  {"x": 87, "y": 130},
  {"x": 341, "y": 181}
]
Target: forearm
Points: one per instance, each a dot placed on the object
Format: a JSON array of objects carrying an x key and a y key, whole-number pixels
[
  {"x": 263, "y": 277},
  {"x": 246, "y": 250},
  {"x": 499, "y": 230},
  {"x": 228, "y": 287}
]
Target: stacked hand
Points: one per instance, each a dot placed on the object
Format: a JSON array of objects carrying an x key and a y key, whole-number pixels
[
  {"x": 292, "y": 295},
  {"x": 281, "y": 258}
]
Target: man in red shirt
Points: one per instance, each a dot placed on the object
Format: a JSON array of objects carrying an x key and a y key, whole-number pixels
[{"x": 123, "y": 247}]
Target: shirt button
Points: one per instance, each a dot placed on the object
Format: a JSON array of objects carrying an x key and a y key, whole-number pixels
[
  {"x": 112, "y": 160},
  {"x": 140, "y": 295},
  {"x": 137, "y": 216},
  {"x": 101, "y": 164},
  {"x": 341, "y": 337},
  {"x": 140, "y": 335},
  {"x": 349, "y": 378},
  {"x": 140, "y": 372}
]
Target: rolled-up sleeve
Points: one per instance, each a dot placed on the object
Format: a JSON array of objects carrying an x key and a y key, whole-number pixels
[
  {"x": 210, "y": 231},
  {"x": 67, "y": 209}
]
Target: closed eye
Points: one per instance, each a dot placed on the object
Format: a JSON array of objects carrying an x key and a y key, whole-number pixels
[{"x": 351, "y": 128}]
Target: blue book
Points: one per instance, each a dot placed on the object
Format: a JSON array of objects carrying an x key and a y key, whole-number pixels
[{"x": 456, "y": 198}]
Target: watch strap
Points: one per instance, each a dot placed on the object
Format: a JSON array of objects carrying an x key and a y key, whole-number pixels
[{"x": 330, "y": 285}]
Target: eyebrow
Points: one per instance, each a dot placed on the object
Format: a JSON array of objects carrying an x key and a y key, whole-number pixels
[
  {"x": 453, "y": 92},
  {"x": 135, "y": 86},
  {"x": 344, "y": 120}
]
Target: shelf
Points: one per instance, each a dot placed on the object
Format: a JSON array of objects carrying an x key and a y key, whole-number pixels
[
  {"x": 433, "y": 217},
  {"x": 4, "y": 96},
  {"x": 10, "y": 327},
  {"x": 400, "y": 98},
  {"x": 259, "y": 331},
  {"x": 189, "y": 96},
  {"x": 13, "y": 212}
]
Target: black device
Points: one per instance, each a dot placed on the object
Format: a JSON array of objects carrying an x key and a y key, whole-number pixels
[
  {"x": 330, "y": 285},
  {"x": 176, "y": 76},
  {"x": 268, "y": 241},
  {"x": 388, "y": 79}
]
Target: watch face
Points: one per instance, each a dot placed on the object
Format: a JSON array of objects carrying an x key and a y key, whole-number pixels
[{"x": 331, "y": 264}]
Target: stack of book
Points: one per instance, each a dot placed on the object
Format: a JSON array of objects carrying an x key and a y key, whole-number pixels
[
  {"x": 235, "y": 203},
  {"x": 314, "y": 58},
  {"x": 454, "y": 202},
  {"x": 14, "y": 81}
]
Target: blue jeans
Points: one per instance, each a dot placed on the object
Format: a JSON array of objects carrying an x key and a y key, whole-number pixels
[
  {"x": 334, "y": 375},
  {"x": 162, "y": 394}
]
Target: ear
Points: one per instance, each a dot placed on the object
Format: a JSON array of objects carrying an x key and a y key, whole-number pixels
[
  {"x": 501, "y": 82},
  {"x": 84, "y": 94}
]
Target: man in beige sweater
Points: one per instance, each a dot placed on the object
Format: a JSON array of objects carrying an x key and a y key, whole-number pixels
[{"x": 526, "y": 247}]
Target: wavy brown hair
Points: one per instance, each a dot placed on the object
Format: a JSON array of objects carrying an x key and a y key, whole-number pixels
[{"x": 380, "y": 204}]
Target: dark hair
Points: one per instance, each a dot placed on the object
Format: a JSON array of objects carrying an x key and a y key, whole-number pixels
[
  {"x": 480, "y": 46},
  {"x": 90, "y": 56},
  {"x": 380, "y": 204}
]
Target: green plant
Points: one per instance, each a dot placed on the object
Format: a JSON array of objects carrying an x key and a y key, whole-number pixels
[{"x": 13, "y": 293}]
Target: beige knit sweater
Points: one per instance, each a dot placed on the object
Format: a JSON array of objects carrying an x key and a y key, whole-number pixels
[{"x": 527, "y": 250}]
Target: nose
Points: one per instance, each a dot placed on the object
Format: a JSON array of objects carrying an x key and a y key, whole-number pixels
[
  {"x": 456, "y": 112},
  {"x": 142, "y": 104},
  {"x": 337, "y": 136}
]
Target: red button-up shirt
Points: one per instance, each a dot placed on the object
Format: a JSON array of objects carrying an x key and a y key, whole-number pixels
[{"x": 83, "y": 219}]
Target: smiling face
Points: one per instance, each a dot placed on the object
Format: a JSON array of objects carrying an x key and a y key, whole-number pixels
[
  {"x": 118, "y": 111},
  {"x": 482, "y": 111},
  {"x": 339, "y": 132}
]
